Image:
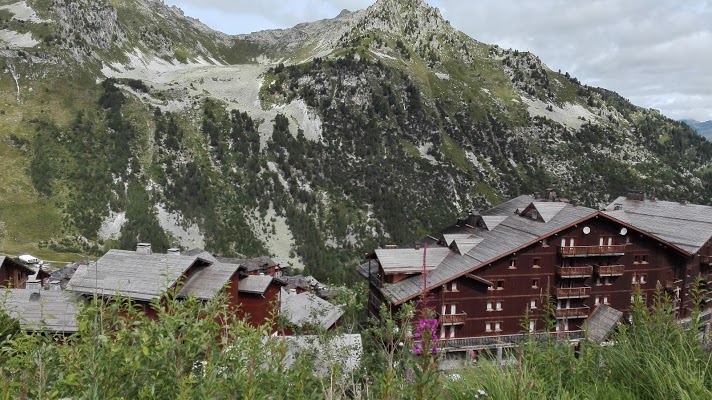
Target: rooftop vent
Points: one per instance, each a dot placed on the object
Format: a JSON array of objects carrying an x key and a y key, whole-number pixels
[
  {"x": 417, "y": 246},
  {"x": 55, "y": 286},
  {"x": 143, "y": 248},
  {"x": 617, "y": 206},
  {"x": 174, "y": 251}
]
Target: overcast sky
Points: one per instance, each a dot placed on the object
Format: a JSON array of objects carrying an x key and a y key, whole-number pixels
[{"x": 656, "y": 53}]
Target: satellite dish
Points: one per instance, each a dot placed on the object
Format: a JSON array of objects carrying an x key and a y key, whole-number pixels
[
  {"x": 624, "y": 231},
  {"x": 586, "y": 230}
]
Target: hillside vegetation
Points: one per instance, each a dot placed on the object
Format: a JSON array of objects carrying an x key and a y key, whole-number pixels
[
  {"x": 119, "y": 353},
  {"x": 127, "y": 121}
]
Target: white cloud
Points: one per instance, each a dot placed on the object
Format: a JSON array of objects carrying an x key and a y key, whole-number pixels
[{"x": 656, "y": 53}]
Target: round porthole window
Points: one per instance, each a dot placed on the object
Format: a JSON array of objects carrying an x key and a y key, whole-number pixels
[
  {"x": 586, "y": 230},
  {"x": 624, "y": 231}
]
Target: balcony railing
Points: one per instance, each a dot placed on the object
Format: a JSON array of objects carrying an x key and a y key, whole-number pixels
[
  {"x": 586, "y": 251},
  {"x": 706, "y": 260},
  {"x": 575, "y": 272},
  {"x": 492, "y": 341},
  {"x": 573, "y": 293},
  {"x": 453, "y": 319},
  {"x": 579, "y": 312},
  {"x": 610, "y": 270}
]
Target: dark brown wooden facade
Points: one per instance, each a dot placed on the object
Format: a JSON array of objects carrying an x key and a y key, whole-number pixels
[
  {"x": 259, "y": 308},
  {"x": 13, "y": 274},
  {"x": 598, "y": 260}
]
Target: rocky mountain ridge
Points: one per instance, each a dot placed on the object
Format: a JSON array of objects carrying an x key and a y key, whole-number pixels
[{"x": 128, "y": 121}]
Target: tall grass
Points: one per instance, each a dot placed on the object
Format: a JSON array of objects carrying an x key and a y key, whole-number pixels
[{"x": 118, "y": 353}]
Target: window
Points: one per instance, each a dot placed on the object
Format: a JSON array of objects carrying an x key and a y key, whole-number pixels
[
  {"x": 636, "y": 259},
  {"x": 452, "y": 331},
  {"x": 598, "y": 281},
  {"x": 532, "y": 304},
  {"x": 512, "y": 264},
  {"x": 489, "y": 306},
  {"x": 453, "y": 286},
  {"x": 605, "y": 299},
  {"x": 544, "y": 243},
  {"x": 532, "y": 326},
  {"x": 635, "y": 279},
  {"x": 643, "y": 278},
  {"x": 644, "y": 259},
  {"x": 488, "y": 327},
  {"x": 571, "y": 242},
  {"x": 607, "y": 281},
  {"x": 499, "y": 306},
  {"x": 535, "y": 283},
  {"x": 563, "y": 242},
  {"x": 500, "y": 285},
  {"x": 597, "y": 301},
  {"x": 536, "y": 263},
  {"x": 498, "y": 326},
  {"x": 535, "y": 214}
]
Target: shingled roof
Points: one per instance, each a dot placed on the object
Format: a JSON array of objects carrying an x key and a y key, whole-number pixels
[
  {"x": 130, "y": 274},
  {"x": 601, "y": 323},
  {"x": 255, "y": 284},
  {"x": 53, "y": 311},
  {"x": 686, "y": 226},
  {"x": 306, "y": 308},
  {"x": 209, "y": 281},
  {"x": 511, "y": 233}
]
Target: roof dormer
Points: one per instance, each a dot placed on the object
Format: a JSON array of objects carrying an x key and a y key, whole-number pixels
[{"x": 542, "y": 211}]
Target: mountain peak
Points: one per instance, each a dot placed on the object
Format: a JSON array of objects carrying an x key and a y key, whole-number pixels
[{"x": 405, "y": 17}]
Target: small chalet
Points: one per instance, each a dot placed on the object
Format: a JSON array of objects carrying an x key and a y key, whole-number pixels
[
  {"x": 485, "y": 273},
  {"x": 14, "y": 274},
  {"x": 259, "y": 298}
]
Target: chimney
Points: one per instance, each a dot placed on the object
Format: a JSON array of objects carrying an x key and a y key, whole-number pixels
[
  {"x": 174, "y": 251},
  {"x": 34, "y": 286},
  {"x": 417, "y": 246},
  {"x": 551, "y": 196},
  {"x": 635, "y": 195},
  {"x": 55, "y": 286},
  {"x": 143, "y": 248}
]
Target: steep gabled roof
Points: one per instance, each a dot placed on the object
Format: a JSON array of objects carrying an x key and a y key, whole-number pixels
[
  {"x": 493, "y": 221},
  {"x": 462, "y": 246},
  {"x": 54, "y": 311},
  {"x": 410, "y": 260},
  {"x": 255, "y": 284},
  {"x": 209, "y": 281},
  {"x": 448, "y": 238},
  {"x": 685, "y": 226},
  {"x": 130, "y": 274},
  {"x": 601, "y": 323},
  {"x": 513, "y": 233}
]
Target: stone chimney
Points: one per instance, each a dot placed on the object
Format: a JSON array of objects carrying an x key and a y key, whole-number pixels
[
  {"x": 144, "y": 248},
  {"x": 174, "y": 251},
  {"x": 55, "y": 286},
  {"x": 34, "y": 287}
]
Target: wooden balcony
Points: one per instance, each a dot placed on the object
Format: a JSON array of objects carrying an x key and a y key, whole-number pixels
[
  {"x": 707, "y": 260},
  {"x": 499, "y": 340},
  {"x": 610, "y": 270},
  {"x": 453, "y": 319},
  {"x": 579, "y": 312},
  {"x": 588, "y": 251},
  {"x": 575, "y": 272},
  {"x": 573, "y": 293}
]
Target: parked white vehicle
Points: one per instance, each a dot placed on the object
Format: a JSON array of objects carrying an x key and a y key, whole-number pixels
[{"x": 28, "y": 259}]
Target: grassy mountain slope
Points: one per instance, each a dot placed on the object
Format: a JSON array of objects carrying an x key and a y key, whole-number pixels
[{"x": 315, "y": 143}]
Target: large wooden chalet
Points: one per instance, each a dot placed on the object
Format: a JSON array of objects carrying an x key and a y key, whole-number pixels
[{"x": 487, "y": 272}]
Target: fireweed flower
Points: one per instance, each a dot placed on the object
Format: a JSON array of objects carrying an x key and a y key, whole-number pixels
[{"x": 430, "y": 328}]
